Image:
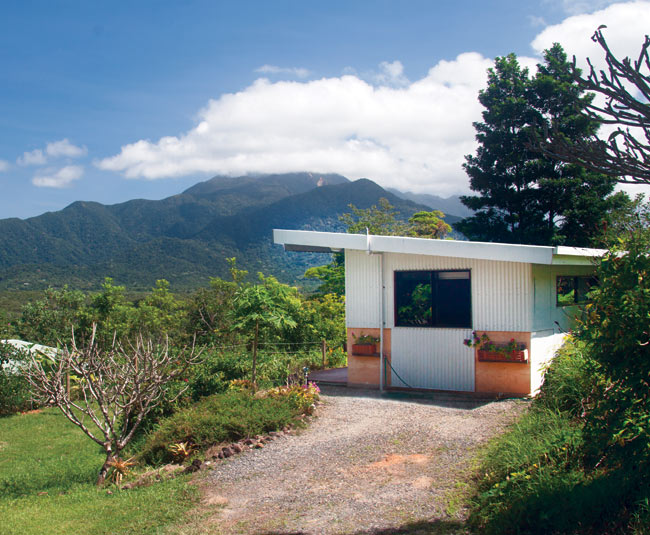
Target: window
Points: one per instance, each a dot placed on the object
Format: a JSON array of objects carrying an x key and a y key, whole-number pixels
[
  {"x": 574, "y": 290},
  {"x": 433, "y": 299}
]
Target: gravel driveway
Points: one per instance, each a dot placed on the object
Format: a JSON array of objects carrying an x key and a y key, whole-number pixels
[{"x": 367, "y": 464}]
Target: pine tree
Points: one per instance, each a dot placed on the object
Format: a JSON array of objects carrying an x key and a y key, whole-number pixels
[{"x": 525, "y": 197}]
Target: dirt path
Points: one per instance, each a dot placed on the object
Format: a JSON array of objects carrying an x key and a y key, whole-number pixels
[{"x": 367, "y": 464}]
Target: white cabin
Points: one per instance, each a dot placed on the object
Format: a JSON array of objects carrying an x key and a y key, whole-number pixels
[{"x": 423, "y": 298}]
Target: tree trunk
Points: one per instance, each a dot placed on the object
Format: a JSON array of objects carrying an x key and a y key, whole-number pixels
[
  {"x": 257, "y": 332},
  {"x": 101, "y": 478}
]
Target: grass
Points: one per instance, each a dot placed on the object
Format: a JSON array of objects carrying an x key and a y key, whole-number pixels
[
  {"x": 47, "y": 472},
  {"x": 535, "y": 478}
]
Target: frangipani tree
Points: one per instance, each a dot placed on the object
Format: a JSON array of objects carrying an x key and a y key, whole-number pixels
[{"x": 116, "y": 388}]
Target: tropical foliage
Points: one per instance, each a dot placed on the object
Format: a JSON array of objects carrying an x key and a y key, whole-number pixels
[{"x": 579, "y": 459}]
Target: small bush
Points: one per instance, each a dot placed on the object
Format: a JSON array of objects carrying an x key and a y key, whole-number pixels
[
  {"x": 14, "y": 394},
  {"x": 302, "y": 396},
  {"x": 219, "y": 368},
  {"x": 14, "y": 389},
  {"x": 214, "y": 373},
  {"x": 229, "y": 416}
]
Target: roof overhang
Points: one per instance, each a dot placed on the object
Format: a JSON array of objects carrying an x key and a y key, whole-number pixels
[{"x": 327, "y": 242}]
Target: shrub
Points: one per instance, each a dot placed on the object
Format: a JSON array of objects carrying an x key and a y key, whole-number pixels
[
  {"x": 302, "y": 396},
  {"x": 229, "y": 416},
  {"x": 214, "y": 373},
  {"x": 15, "y": 394},
  {"x": 220, "y": 368}
]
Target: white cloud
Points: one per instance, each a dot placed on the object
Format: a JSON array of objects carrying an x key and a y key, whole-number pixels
[
  {"x": 55, "y": 149},
  {"x": 274, "y": 69},
  {"x": 391, "y": 74},
  {"x": 627, "y": 24},
  {"x": 413, "y": 136},
  {"x": 34, "y": 157},
  {"x": 51, "y": 178},
  {"x": 536, "y": 21},
  {"x": 406, "y": 134},
  {"x": 65, "y": 148},
  {"x": 4, "y": 165}
]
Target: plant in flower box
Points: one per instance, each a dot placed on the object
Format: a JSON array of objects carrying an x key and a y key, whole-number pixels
[
  {"x": 489, "y": 351},
  {"x": 364, "y": 344}
]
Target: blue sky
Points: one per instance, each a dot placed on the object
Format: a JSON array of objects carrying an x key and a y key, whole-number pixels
[{"x": 116, "y": 100}]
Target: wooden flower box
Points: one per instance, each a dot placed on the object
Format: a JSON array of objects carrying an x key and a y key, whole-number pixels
[
  {"x": 520, "y": 356},
  {"x": 364, "y": 349}
]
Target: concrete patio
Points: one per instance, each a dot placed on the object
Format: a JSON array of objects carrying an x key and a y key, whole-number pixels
[{"x": 334, "y": 376}]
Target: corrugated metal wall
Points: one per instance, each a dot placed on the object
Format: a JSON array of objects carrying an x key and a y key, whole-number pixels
[
  {"x": 545, "y": 310},
  {"x": 430, "y": 357},
  {"x": 362, "y": 287},
  {"x": 543, "y": 345}
]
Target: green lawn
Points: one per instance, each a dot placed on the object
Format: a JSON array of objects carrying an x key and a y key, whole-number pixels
[{"x": 47, "y": 473}]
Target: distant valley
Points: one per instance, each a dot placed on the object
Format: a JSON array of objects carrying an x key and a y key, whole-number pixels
[{"x": 187, "y": 237}]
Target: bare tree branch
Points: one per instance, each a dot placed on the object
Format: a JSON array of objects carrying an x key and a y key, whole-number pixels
[{"x": 625, "y": 85}]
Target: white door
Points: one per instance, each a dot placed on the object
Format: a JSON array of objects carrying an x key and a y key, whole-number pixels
[{"x": 432, "y": 358}]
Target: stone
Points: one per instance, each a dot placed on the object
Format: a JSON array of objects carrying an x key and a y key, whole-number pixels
[
  {"x": 236, "y": 448},
  {"x": 249, "y": 442},
  {"x": 194, "y": 467},
  {"x": 170, "y": 469},
  {"x": 212, "y": 452},
  {"x": 227, "y": 452}
]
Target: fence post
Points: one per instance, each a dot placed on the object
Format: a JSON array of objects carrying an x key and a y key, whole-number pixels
[{"x": 323, "y": 349}]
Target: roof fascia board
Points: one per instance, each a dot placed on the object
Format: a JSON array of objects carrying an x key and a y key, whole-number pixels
[
  {"x": 307, "y": 240},
  {"x": 566, "y": 260},
  {"x": 464, "y": 249},
  {"x": 335, "y": 241}
]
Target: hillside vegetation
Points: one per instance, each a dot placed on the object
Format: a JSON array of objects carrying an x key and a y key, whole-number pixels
[
  {"x": 184, "y": 238},
  {"x": 579, "y": 460}
]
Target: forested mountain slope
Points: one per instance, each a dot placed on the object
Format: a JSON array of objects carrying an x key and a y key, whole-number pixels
[{"x": 184, "y": 238}]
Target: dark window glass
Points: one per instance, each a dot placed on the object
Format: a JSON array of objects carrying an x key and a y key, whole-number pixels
[
  {"x": 584, "y": 287},
  {"x": 433, "y": 299},
  {"x": 453, "y": 303},
  {"x": 574, "y": 290},
  {"x": 413, "y": 298}
]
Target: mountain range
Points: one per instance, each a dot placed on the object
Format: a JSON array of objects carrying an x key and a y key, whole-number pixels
[{"x": 186, "y": 238}]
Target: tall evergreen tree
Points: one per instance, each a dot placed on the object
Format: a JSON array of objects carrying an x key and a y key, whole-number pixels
[{"x": 525, "y": 197}]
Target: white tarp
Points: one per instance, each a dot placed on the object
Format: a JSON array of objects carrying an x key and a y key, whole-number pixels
[{"x": 28, "y": 347}]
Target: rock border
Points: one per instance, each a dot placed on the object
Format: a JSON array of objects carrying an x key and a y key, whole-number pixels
[{"x": 217, "y": 453}]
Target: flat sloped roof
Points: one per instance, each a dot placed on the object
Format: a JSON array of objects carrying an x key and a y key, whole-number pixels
[{"x": 312, "y": 241}]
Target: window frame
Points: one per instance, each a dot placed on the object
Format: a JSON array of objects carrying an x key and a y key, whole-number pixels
[{"x": 434, "y": 292}]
